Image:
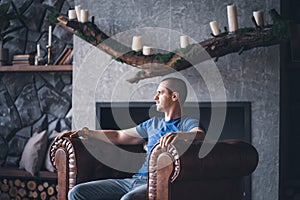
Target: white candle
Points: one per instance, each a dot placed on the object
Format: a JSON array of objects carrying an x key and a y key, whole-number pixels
[
  {"x": 136, "y": 43},
  {"x": 214, "y": 27},
  {"x": 184, "y": 41},
  {"x": 147, "y": 50},
  {"x": 78, "y": 11},
  {"x": 72, "y": 14},
  {"x": 38, "y": 50},
  {"x": 50, "y": 36},
  {"x": 84, "y": 14},
  {"x": 232, "y": 18},
  {"x": 258, "y": 16}
]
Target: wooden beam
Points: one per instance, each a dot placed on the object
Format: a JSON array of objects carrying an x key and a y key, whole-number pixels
[{"x": 161, "y": 64}]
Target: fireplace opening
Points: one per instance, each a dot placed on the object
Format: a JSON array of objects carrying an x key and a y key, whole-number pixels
[{"x": 122, "y": 115}]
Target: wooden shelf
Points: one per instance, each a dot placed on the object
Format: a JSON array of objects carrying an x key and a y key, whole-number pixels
[
  {"x": 39, "y": 68},
  {"x": 15, "y": 172}
]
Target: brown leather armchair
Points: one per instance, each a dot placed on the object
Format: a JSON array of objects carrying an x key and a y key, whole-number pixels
[
  {"x": 178, "y": 173},
  {"x": 175, "y": 172}
]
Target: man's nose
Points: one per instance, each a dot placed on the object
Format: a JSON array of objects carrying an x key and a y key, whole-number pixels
[{"x": 155, "y": 97}]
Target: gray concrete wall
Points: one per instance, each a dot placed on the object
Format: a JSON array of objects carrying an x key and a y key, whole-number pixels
[{"x": 252, "y": 76}]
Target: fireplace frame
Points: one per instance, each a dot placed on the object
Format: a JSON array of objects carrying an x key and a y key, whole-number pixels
[{"x": 240, "y": 112}]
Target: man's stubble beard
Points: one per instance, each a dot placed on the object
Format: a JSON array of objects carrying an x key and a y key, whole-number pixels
[{"x": 159, "y": 109}]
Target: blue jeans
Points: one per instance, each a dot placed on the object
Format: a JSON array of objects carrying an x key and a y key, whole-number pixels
[{"x": 134, "y": 188}]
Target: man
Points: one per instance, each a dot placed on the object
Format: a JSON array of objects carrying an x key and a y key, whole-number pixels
[{"x": 170, "y": 95}]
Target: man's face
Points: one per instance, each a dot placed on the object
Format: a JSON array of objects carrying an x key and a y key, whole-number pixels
[{"x": 163, "y": 97}]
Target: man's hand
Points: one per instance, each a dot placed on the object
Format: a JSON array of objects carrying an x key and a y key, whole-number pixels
[
  {"x": 169, "y": 138},
  {"x": 67, "y": 134}
]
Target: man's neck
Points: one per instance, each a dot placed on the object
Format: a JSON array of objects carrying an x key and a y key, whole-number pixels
[{"x": 173, "y": 114}]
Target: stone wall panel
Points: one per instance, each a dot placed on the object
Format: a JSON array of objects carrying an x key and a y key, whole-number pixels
[
  {"x": 9, "y": 117},
  {"x": 40, "y": 125},
  {"x": 52, "y": 102},
  {"x": 3, "y": 150},
  {"x": 24, "y": 132},
  {"x": 28, "y": 105}
]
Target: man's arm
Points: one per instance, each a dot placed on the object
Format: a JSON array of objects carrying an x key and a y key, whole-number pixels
[
  {"x": 200, "y": 133},
  {"x": 126, "y": 136},
  {"x": 194, "y": 134}
]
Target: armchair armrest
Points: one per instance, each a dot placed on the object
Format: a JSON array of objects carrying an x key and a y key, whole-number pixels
[
  {"x": 183, "y": 175},
  {"x": 75, "y": 164}
]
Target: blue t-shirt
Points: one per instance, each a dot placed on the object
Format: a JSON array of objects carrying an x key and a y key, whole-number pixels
[{"x": 156, "y": 127}]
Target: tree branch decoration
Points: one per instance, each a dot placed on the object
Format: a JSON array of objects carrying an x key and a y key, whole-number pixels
[{"x": 162, "y": 64}]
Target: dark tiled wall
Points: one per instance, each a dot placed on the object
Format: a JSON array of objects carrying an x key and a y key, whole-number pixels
[
  {"x": 38, "y": 101},
  {"x": 31, "y": 27},
  {"x": 32, "y": 102}
]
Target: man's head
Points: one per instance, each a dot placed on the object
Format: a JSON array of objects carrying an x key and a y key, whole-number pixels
[{"x": 170, "y": 91}]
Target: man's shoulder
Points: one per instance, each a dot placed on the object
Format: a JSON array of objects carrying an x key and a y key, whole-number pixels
[
  {"x": 156, "y": 119},
  {"x": 189, "y": 121},
  {"x": 187, "y": 118},
  {"x": 153, "y": 120}
]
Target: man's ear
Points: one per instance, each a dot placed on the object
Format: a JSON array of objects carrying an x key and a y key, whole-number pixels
[{"x": 175, "y": 96}]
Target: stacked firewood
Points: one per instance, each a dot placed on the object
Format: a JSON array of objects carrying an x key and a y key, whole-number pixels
[{"x": 27, "y": 189}]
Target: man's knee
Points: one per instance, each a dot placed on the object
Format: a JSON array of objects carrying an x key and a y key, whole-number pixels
[
  {"x": 131, "y": 196},
  {"x": 75, "y": 193},
  {"x": 139, "y": 195}
]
